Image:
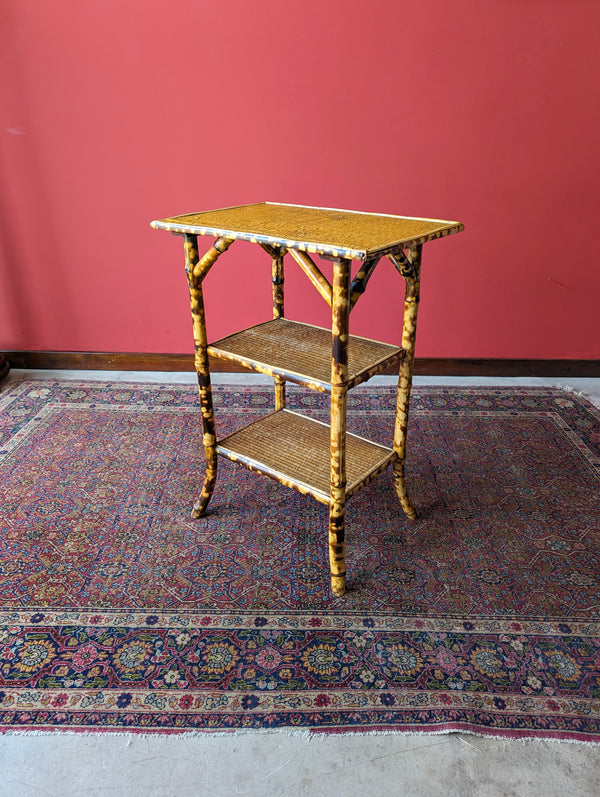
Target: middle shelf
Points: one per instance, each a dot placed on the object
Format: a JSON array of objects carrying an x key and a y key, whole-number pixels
[
  {"x": 301, "y": 353},
  {"x": 295, "y": 450}
]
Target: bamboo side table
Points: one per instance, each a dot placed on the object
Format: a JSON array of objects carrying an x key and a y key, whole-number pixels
[{"x": 312, "y": 457}]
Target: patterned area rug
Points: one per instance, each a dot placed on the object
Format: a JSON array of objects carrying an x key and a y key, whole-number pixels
[{"x": 120, "y": 612}]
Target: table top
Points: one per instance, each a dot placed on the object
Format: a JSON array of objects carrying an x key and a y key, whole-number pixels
[{"x": 322, "y": 231}]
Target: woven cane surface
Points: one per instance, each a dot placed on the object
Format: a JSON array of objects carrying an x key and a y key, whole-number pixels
[
  {"x": 301, "y": 349},
  {"x": 321, "y": 230},
  {"x": 298, "y": 447}
]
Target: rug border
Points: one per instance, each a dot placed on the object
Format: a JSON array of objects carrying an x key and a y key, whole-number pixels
[{"x": 445, "y": 727}]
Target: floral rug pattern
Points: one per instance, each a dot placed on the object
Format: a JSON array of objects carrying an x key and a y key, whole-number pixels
[{"x": 120, "y": 612}]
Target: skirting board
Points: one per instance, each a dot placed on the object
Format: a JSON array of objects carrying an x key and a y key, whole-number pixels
[
  {"x": 424, "y": 366},
  {"x": 4, "y": 366}
]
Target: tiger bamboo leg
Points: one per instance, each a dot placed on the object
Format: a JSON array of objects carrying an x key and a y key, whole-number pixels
[
  {"x": 279, "y": 393},
  {"x": 339, "y": 390},
  {"x": 337, "y": 507},
  {"x": 209, "y": 441},
  {"x": 278, "y": 312},
  {"x": 409, "y": 331}
]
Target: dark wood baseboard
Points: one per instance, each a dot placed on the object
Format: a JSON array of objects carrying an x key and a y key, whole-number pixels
[
  {"x": 4, "y": 367},
  {"x": 424, "y": 366}
]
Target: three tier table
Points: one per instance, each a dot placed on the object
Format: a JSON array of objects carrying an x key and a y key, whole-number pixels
[{"x": 321, "y": 460}]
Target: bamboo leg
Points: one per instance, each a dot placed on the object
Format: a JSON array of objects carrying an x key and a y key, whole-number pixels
[
  {"x": 409, "y": 331},
  {"x": 278, "y": 311},
  {"x": 339, "y": 390},
  {"x": 201, "y": 361},
  {"x": 279, "y": 393}
]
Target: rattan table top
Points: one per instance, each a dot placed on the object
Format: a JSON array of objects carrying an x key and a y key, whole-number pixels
[{"x": 324, "y": 231}]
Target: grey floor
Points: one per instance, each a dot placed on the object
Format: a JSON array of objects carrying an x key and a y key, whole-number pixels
[{"x": 282, "y": 765}]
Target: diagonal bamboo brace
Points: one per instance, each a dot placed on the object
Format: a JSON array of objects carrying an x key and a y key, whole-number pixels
[
  {"x": 204, "y": 265},
  {"x": 404, "y": 266},
  {"x": 311, "y": 270},
  {"x": 359, "y": 283}
]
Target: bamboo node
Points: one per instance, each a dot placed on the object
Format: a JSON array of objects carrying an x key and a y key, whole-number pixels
[{"x": 221, "y": 244}]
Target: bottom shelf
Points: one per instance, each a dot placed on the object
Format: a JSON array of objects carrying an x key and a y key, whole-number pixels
[{"x": 295, "y": 450}]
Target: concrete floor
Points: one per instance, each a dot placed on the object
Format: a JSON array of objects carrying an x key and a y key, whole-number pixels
[{"x": 277, "y": 764}]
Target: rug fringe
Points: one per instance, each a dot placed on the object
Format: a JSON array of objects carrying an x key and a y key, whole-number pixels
[
  {"x": 130, "y": 735},
  {"x": 323, "y": 735},
  {"x": 571, "y": 389},
  {"x": 326, "y": 734},
  {"x": 574, "y": 391}
]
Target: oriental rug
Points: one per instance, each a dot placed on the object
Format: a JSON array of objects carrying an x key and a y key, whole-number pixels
[{"x": 119, "y": 612}]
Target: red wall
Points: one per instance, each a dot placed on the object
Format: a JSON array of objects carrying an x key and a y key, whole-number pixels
[{"x": 116, "y": 112}]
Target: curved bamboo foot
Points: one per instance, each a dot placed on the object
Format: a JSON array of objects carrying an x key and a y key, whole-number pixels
[
  {"x": 338, "y": 585},
  {"x": 201, "y": 504},
  {"x": 401, "y": 492}
]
